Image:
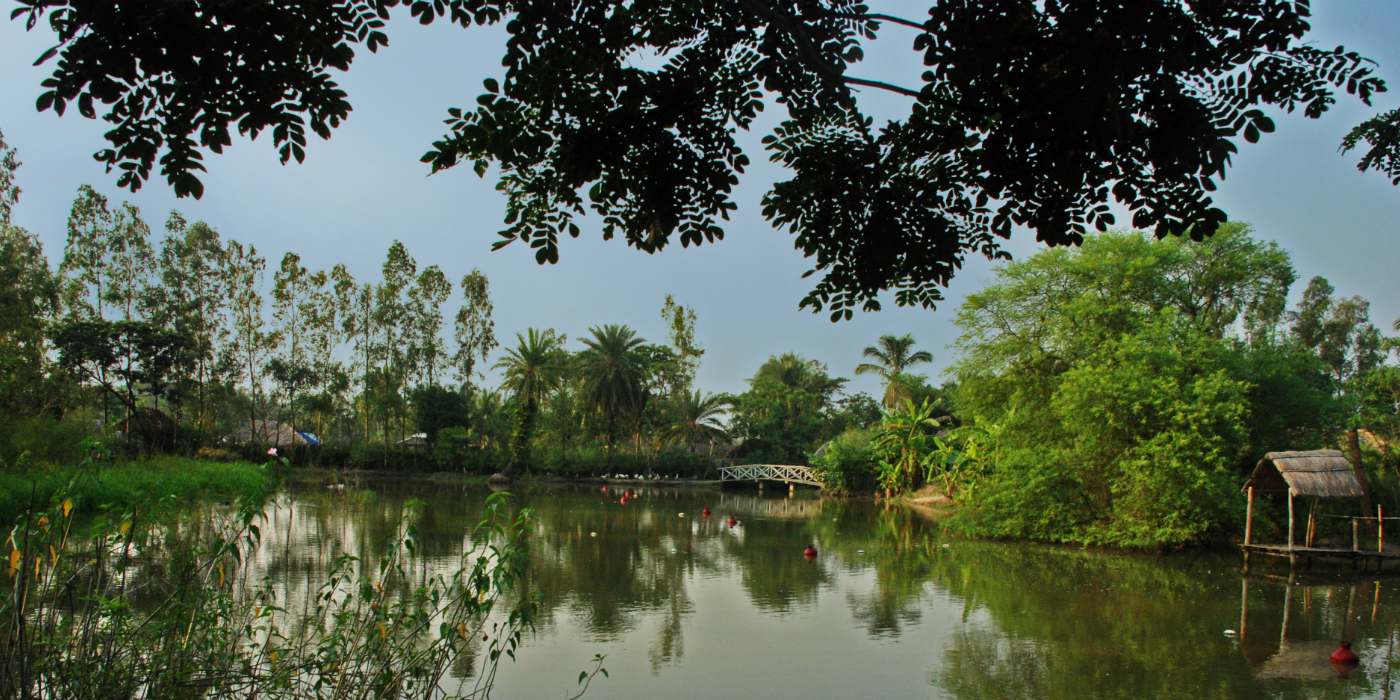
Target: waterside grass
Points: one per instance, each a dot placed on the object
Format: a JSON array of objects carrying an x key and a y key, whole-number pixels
[{"x": 125, "y": 482}]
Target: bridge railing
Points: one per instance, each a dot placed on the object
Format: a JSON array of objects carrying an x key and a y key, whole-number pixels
[{"x": 770, "y": 472}]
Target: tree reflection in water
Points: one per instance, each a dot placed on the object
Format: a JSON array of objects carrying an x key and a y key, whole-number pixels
[{"x": 996, "y": 620}]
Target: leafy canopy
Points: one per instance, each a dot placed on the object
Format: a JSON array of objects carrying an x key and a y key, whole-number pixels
[{"x": 1033, "y": 114}]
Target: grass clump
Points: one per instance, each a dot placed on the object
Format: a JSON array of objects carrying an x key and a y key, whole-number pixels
[{"x": 126, "y": 482}]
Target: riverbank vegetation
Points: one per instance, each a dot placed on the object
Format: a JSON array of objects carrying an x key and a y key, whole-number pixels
[
  {"x": 1119, "y": 393},
  {"x": 1113, "y": 393},
  {"x": 135, "y": 602}
]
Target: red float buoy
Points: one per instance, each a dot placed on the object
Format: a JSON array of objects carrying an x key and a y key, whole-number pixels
[
  {"x": 732, "y": 521},
  {"x": 1344, "y": 656},
  {"x": 706, "y": 512},
  {"x": 809, "y": 553}
]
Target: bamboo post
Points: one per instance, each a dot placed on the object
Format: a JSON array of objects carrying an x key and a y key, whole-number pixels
[
  {"x": 1290, "y": 519},
  {"x": 1355, "y": 541},
  {"x": 1249, "y": 516},
  {"x": 1244, "y": 606},
  {"x": 1312, "y": 511}
]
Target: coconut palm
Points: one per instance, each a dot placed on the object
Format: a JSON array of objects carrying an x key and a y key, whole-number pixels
[
  {"x": 695, "y": 418},
  {"x": 796, "y": 372},
  {"x": 611, "y": 371},
  {"x": 530, "y": 371},
  {"x": 892, "y": 357}
]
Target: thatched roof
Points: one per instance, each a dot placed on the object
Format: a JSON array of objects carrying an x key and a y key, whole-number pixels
[
  {"x": 272, "y": 433},
  {"x": 1320, "y": 473}
]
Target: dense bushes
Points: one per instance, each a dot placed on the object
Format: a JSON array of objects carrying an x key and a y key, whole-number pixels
[
  {"x": 1126, "y": 387},
  {"x": 848, "y": 464}
]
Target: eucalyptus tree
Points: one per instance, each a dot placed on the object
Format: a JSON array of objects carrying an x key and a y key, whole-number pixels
[
  {"x": 1038, "y": 114},
  {"x": 357, "y": 321},
  {"x": 611, "y": 380},
  {"x": 191, "y": 299},
  {"x": 893, "y": 357},
  {"x": 393, "y": 320},
  {"x": 251, "y": 343},
  {"x": 680, "y": 325},
  {"x": 293, "y": 287},
  {"x": 473, "y": 329},
  {"x": 327, "y": 308},
  {"x": 29, "y": 303},
  {"x": 107, "y": 260},
  {"x": 530, "y": 371},
  {"x": 425, "y": 299},
  {"x": 107, "y": 267}
]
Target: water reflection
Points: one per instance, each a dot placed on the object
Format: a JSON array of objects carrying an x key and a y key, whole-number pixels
[{"x": 690, "y": 606}]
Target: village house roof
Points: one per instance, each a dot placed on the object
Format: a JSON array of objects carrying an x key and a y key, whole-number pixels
[{"x": 1318, "y": 473}]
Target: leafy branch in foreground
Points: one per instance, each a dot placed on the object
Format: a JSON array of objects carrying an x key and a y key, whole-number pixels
[
  {"x": 137, "y": 603},
  {"x": 1027, "y": 114}
]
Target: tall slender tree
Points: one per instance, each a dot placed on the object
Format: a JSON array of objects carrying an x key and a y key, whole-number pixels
[
  {"x": 680, "y": 325},
  {"x": 474, "y": 330},
  {"x": 292, "y": 289},
  {"x": 251, "y": 342},
  {"x": 191, "y": 300},
  {"x": 428, "y": 351}
]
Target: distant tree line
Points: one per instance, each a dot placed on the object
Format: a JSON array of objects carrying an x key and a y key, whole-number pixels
[{"x": 190, "y": 342}]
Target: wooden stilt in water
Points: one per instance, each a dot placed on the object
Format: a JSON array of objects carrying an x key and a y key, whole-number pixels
[
  {"x": 1312, "y": 524},
  {"x": 1244, "y": 605},
  {"x": 1248, "y": 521},
  {"x": 1292, "y": 558}
]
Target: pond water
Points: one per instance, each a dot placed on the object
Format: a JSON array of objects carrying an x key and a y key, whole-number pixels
[{"x": 687, "y": 606}]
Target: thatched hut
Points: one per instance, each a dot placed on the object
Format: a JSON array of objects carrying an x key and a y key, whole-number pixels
[{"x": 1315, "y": 474}]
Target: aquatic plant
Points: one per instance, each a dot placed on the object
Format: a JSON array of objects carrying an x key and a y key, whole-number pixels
[{"x": 134, "y": 603}]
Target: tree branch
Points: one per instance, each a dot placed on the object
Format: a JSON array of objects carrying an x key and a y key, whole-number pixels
[
  {"x": 876, "y": 18},
  {"x": 882, "y": 86}
]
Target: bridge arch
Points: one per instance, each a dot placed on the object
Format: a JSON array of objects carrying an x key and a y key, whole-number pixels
[{"x": 786, "y": 473}]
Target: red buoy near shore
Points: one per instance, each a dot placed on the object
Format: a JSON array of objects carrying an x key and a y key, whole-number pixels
[
  {"x": 706, "y": 512},
  {"x": 732, "y": 521},
  {"x": 1344, "y": 655},
  {"x": 809, "y": 553}
]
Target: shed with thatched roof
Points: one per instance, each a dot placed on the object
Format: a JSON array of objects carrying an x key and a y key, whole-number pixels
[
  {"x": 1319, "y": 474},
  {"x": 1314, "y": 474}
]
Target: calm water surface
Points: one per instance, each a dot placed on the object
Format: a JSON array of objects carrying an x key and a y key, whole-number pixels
[{"x": 892, "y": 607}]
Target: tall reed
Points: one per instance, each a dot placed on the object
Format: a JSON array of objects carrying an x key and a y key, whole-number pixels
[{"x": 137, "y": 603}]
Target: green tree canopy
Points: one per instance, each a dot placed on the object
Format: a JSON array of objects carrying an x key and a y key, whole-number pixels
[
  {"x": 1036, "y": 114},
  {"x": 1129, "y": 383}
]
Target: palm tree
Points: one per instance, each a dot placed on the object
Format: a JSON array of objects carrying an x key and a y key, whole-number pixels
[
  {"x": 530, "y": 371},
  {"x": 892, "y": 357},
  {"x": 695, "y": 418},
  {"x": 612, "y": 383},
  {"x": 795, "y": 372}
]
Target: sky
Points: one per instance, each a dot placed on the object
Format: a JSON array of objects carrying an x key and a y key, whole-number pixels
[{"x": 365, "y": 188}]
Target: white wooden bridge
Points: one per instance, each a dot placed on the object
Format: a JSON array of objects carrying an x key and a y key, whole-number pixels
[{"x": 770, "y": 472}]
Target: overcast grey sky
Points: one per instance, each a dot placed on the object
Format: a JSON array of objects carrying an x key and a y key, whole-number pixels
[{"x": 365, "y": 187}]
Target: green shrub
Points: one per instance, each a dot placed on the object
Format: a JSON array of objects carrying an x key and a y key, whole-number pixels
[
  {"x": 41, "y": 441},
  {"x": 848, "y": 465}
]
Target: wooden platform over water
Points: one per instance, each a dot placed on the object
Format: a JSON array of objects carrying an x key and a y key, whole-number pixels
[{"x": 1283, "y": 550}]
